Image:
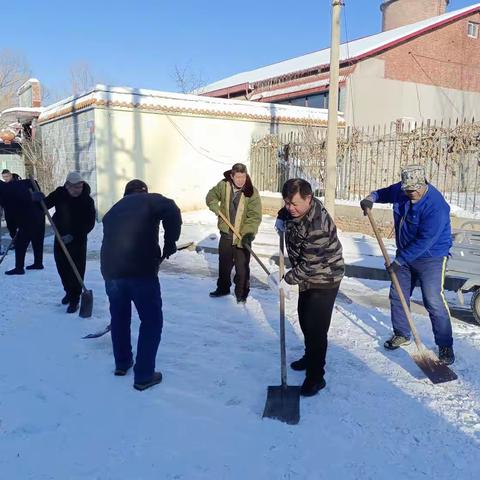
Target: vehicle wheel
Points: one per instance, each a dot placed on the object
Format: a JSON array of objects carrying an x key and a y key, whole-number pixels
[{"x": 475, "y": 303}]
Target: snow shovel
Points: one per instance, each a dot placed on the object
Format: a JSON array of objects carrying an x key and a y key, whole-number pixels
[
  {"x": 283, "y": 401},
  {"x": 105, "y": 330},
  {"x": 237, "y": 234},
  {"x": 12, "y": 241},
  {"x": 431, "y": 366},
  {"x": 86, "y": 299}
]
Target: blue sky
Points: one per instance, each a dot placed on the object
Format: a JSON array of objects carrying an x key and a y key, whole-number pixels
[{"x": 138, "y": 44}]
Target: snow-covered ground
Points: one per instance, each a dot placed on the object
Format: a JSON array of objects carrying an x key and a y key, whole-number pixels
[{"x": 64, "y": 415}]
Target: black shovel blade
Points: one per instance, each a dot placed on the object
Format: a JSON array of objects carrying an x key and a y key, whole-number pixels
[
  {"x": 283, "y": 403},
  {"x": 86, "y": 304},
  {"x": 433, "y": 368}
]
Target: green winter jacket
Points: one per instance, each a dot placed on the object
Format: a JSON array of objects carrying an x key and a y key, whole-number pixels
[{"x": 249, "y": 211}]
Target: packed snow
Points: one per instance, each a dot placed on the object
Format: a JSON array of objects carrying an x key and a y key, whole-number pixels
[{"x": 64, "y": 415}]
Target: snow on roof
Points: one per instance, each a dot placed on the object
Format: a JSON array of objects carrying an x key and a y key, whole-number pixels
[
  {"x": 124, "y": 97},
  {"x": 21, "y": 113},
  {"x": 348, "y": 51}
]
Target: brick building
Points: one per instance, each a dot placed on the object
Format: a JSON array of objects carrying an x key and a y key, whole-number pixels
[{"x": 425, "y": 64}]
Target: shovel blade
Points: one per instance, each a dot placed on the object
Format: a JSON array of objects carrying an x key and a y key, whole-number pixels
[
  {"x": 283, "y": 403},
  {"x": 86, "y": 304},
  {"x": 433, "y": 368},
  {"x": 100, "y": 333}
]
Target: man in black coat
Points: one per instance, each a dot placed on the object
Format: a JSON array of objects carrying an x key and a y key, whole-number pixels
[
  {"x": 130, "y": 259},
  {"x": 74, "y": 218},
  {"x": 7, "y": 177},
  {"x": 16, "y": 198}
]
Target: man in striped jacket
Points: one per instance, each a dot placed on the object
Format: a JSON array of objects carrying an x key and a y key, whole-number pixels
[{"x": 315, "y": 254}]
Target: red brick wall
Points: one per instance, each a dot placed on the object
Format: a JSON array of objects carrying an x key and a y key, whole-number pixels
[
  {"x": 403, "y": 12},
  {"x": 446, "y": 57}
]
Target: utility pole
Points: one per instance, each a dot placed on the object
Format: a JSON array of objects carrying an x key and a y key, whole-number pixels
[{"x": 331, "y": 164}]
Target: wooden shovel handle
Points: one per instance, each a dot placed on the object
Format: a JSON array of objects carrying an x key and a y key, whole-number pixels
[{"x": 237, "y": 234}]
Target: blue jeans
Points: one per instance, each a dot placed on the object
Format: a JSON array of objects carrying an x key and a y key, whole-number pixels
[
  {"x": 430, "y": 273},
  {"x": 144, "y": 292}
]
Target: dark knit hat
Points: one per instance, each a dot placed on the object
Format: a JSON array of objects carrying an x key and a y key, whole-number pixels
[{"x": 135, "y": 186}]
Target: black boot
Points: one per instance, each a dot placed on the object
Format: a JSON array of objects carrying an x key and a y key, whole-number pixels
[
  {"x": 73, "y": 305},
  {"x": 121, "y": 372},
  {"x": 446, "y": 355},
  {"x": 34, "y": 266},
  {"x": 299, "y": 365},
  {"x": 311, "y": 387},
  {"x": 219, "y": 293},
  {"x": 15, "y": 271},
  {"x": 66, "y": 299}
]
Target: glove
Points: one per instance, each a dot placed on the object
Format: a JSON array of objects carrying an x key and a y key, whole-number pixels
[
  {"x": 38, "y": 197},
  {"x": 247, "y": 240},
  {"x": 280, "y": 226},
  {"x": 366, "y": 204},
  {"x": 66, "y": 239},
  {"x": 169, "y": 249},
  {"x": 394, "y": 267}
]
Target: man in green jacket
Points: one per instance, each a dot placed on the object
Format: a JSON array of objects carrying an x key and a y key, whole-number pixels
[{"x": 239, "y": 201}]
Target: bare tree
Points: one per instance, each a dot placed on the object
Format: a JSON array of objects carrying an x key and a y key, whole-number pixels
[
  {"x": 186, "y": 80},
  {"x": 81, "y": 77}
]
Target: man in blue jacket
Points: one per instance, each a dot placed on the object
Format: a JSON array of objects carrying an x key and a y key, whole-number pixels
[{"x": 423, "y": 238}]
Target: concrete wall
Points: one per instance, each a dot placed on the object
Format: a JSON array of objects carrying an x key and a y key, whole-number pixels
[
  {"x": 14, "y": 163},
  {"x": 373, "y": 99},
  {"x": 180, "y": 156}
]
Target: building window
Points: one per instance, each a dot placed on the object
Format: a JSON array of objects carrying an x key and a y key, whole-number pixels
[{"x": 472, "y": 31}]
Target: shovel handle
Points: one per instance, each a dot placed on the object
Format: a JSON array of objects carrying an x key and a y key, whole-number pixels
[
  {"x": 59, "y": 238},
  {"x": 395, "y": 281},
  {"x": 281, "y": 273},
  {"x": 237, "y": 234}
]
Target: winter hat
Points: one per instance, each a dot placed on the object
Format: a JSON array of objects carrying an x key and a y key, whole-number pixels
[
  {"x": 73, "y": 178},
  {"x": 135, "y": 186},
  {"x": 413, "y": 177}
]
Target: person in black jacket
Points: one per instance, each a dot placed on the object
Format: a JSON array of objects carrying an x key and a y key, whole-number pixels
[
  {"x": 16, "y": 198},
  {"x": 74, "y": 218},
  {"x": 7, "y": 177},
  {"x": 130, "y": 258}
]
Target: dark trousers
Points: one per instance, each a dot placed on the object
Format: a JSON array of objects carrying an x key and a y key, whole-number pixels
[
  {"x": 430, "y": 273},
  {"x": 78, "y": 251},
  {"x": 11, "y": 223},
  {"x": 230, "y": 256},
  {"x": 145, "y": 294},
  {"x": 34, "y": 233},
  {"x": 315, "y": 308}
]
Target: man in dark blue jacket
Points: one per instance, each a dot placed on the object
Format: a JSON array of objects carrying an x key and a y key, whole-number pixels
[
  {"x": 130, "y": 258},
  {"x": 423, "y": 238}
]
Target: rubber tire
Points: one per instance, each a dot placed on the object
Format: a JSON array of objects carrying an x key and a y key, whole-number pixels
[{"x": 475, "y": 304}]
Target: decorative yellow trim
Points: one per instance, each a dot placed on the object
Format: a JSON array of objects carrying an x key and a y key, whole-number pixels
[{"x": 179, "y": 110}]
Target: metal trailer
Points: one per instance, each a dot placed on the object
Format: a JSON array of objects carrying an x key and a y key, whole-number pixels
[{"x": 463, "y": 270}]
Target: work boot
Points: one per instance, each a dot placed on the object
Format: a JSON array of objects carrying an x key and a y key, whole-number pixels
[
  {"x": 66, "y": 299},
  {"x": 299, "y": 365},
  {"x": 219, "y": 293},
  {"x": 15, "y": 271},
  {"x": 73, "y": 305},
  {"x": 35, "y": 266},
  {"x": 241, "y": 299},
  {"x": 446, "y": 355},
  {"x": 396, "y": 341},
  {"x": 311, "y": 387},
  {"x": 157, "y": 378}
]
